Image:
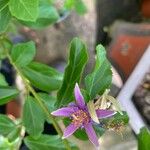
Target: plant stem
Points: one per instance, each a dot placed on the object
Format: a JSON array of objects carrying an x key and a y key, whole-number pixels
[{"x": 39, "y": 101}]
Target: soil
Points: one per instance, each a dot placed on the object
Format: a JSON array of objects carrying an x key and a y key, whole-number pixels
[{"x": 141, "y": 98}]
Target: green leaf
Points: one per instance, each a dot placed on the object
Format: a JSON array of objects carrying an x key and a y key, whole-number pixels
[
  {"x": 48, "y": 100},
  {"x": 5, "y": 144},
  {"x": 77, "y": 60},
  {"x": 33, "y": 117},
  {"x": 26, "y": 10},
  {"x": 3, "y": 81},
  {"x": 46, "y": 2},
  {"x": 5, "y": 44},
  {"x": 118, "y": 118},
  {"x": 144, "y": 139},
  {"x": 42, "y": 76},
  {"x": 22, "y": 54},
  {"x": 99, "y": 130},
  {"x": 5, "y": 15},
  {"x": 47, "y": 15},
  {"x": 78, "y": 5},
  {"x": 14, "y": 134},
  {"x": 100, "y": 79},
  {"x": 69, "y": 4},
  {"x": 3, "y": 4},
  {"x": 6, "y": 125},
  {"x": 7, "y": 94},
  {"x": 45, "y": 142}
]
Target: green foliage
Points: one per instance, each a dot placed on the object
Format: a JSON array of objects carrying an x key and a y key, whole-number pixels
[
  {"x": 26, "y": 10},
  {"x": 46, "y": 142},
  {"x": 99, "y": 131},
  {"x": 3, "y": 81},
  {"x": 5, "y": 144},
  {"x": 37, "y": 110},
  {"x": 6, "y": 125},
  {"x": 144, "y": 139},
  {"x": 33, "y": 117},
  {"x": 4, "y": 45},
  {"x": 14, "y": 134},
  {"x": 5, "y": 15},
  {"x": 43, "y": 76},
  {"x": 22, "y": 54},
  {"x": 78, "y": 5},
  {"x": 47, "y": 15},
  {"x": 118, "y": 118},
  {"x": 7, "y": 94},
  {"x": 116, "y": 123},
  {"x": 100, "y": 79},
  {"x": 77, "y": 60},
  {"x": 48, "y": 100},
  {"x": 35, "y": 13}
]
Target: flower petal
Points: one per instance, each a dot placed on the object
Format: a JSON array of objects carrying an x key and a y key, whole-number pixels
[
  {"x": 65, "y": 111},
  {"x": 102, "y": 113},
  {"x": 78, "y": 96},
  {"x": 91, "y": 134},
  {"x": 69, "y": 130}
]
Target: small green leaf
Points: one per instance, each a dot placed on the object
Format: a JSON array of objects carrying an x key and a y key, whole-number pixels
[
  {"x": 45, "y": 142},
  {"x": 6, "y": 125},
  {"x": 77, "y": 60},
  {"x": 144, "y": 139},
  {"x": 47, "y": 15},
  {"x": 5, "y": 15},
  {"x": 4, "y": 44},
  {"x": 43, "y": 76},
  {"x": 26, "y": 10},
  {"x": 120, "y": 118},
  {"x": 7, "y": 94},
  {"x": 69, "y": 4},
  {"x": 99, "y": 130},
  {"x": 33, "y": 117},
  {"x": 22, "y": 54},
  {"x": 78, "y": 5},
  {"x": 48, "y": 100},
  {"x": 100, "y": 79},
  {"x": 3, "y": 81}
]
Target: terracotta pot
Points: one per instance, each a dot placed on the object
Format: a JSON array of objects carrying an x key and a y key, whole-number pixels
[
  {"x": 13, "y": 108},
  {"x": 146, "y": 8}
]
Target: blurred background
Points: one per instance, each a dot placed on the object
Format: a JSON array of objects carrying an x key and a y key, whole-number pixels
[{"x": 123, "y": 27}]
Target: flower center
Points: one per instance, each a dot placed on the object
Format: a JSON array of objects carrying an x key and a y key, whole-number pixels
[{"x": 80, "y": 117}]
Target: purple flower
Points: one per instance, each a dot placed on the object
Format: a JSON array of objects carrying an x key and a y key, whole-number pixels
[{"x": 81, "y": 117}]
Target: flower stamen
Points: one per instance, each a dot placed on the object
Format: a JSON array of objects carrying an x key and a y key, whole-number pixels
[{"x": 80, "y": 117}]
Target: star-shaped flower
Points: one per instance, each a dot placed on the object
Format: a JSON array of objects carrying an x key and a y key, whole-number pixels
[{"x": 80, "y": 116}]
